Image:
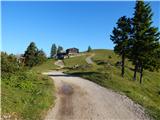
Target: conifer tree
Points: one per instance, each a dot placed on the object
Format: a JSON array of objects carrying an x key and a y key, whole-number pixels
[
  {"x": 33, "y": 56},
  {"x": 145, "y": 38},
  {"x": 89, "y": 49},
  {"x": 53, "y": 51},
  {"x": 30, "y": 54},
  {"x": 121, "y": 37},
  {"x": 60, "y": 49}
]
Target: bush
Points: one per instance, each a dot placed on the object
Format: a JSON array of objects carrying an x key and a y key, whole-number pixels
[
  {"x": 9, "y": 64},
  {"x": 26, "y": 94},
  {"x": 109, "y": 56}
]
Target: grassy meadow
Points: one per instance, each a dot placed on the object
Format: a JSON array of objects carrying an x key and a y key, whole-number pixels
[
  {"x": 79, "y": 60},
  {"x": 28, "y": 94},
  {"x": 46, "y": 66}
]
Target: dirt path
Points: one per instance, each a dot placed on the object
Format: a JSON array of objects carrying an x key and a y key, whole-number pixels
[
  {"x": 89, "y": 60},
  {"x": 59, "y": 63},
  {"x": 80, "y": 99}
]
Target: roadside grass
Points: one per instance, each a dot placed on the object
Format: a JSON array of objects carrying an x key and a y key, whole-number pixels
[
  {"x": 107, "y": 74},
  {"x": 26, "y": 95},
  {"x": 47, "y": 66},
  {"x": 71, "y": 62}
]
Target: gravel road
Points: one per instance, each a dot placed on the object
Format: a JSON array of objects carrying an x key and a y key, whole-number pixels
[
  {"x": 59, "y": 63},
  {"x": 80, "y": 99},
  {"x": 89, "y": 60}
]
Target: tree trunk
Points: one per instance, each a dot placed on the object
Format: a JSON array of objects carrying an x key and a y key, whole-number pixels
[
  {"x": 141, "y": 74},
  {"x": 122, "y": 71},
  {"x": 135, "y": 71}
]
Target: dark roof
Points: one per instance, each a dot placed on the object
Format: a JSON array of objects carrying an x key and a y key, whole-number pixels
[{"x": 72, "y": 48}]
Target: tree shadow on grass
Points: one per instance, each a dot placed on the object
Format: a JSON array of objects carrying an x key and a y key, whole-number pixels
[
  {"x": 74, "y": 74},
  {"x": 82, "y": 73},
  {"x": 96, "y": 77},
  {"x": 59, "y": 75}
]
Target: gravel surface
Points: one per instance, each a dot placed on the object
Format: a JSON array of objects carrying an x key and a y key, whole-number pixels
[
  {"x": 89, "y": 60},
  {"x": 59, "y": 63},
  {"x": 80, "y": 99}
]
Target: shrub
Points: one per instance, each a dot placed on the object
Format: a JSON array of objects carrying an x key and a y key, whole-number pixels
[
  {"x": 9, "y": 64},
  {"x": 24, "y": 92},
  {"x": 109, "y": 56}
]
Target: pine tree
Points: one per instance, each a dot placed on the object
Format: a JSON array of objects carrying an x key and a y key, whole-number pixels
[
  {"x": 33, "y": 56},
  {"x": 53, "y": 51},
  {"x": 30, "y": 54},
  {"x": 89, "y": 49},
  {"x": 145, "y": 38},
  {"x": 121, "y": 37},
  {"x": 60, "y": 49},
  {"x": 40, "y": 57}
]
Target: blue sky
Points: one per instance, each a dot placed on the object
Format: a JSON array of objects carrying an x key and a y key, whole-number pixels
[{"x": 69, "y": 24}]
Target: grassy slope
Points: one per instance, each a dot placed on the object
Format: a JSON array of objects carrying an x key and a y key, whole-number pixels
[
  {"x": 80, "y": 60},
  {"x": 107, "y": 74},
  {"x": 48, "y": 65},
  {"x": 28, "y": 95}
]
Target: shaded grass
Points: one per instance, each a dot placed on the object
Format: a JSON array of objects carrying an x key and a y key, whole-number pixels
[{"x": 107, "y": 74}]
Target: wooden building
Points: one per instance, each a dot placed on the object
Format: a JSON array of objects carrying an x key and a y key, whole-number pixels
[
  {"x": 72, "y": 51},
  {"x": 69, "y": 52},
  {"x": 61, "y": 55}
]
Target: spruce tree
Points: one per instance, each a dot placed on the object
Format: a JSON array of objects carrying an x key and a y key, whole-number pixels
[
  {"x": 89, "y": 49},
  {"x": 121, "y": 37},
  {"x": 60, "y": 49},
  {"x": 145, "y": 38},
  {"x": 33, "y": 56},
  {"x": 30, "y": 54},
  {"x": 53, "y": 51}
]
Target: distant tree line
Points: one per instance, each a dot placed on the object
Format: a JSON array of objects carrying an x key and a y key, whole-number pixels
[{"x": 138, "y": 40}]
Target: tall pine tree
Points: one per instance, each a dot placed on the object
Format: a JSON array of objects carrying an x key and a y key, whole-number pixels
[
  {"x": 30, "y": 54},
  {"x": 89, "y": 49},
  {"x": 33, "y": 56},
  {"x": 60, "y": 49},
  {"x": 145, "y": 38},
  {"x": 120, "y": 37},
  {"x": 53, "y": 51}
]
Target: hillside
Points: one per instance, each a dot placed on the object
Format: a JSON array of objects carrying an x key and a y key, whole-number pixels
[
  {"x": 34, "y": 92},
  {"x": 46, "y": 66},
  {"x": 107, "y": 74},
  {"x": 26, "y": 94}
]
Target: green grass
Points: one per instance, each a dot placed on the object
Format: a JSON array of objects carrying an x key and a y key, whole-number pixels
[
  {"x": 70, "y": 62},
  {"x": 26, "y": 95},
  {"x": 48, "y": 65},
  {"x": 107, "y": 74}
]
